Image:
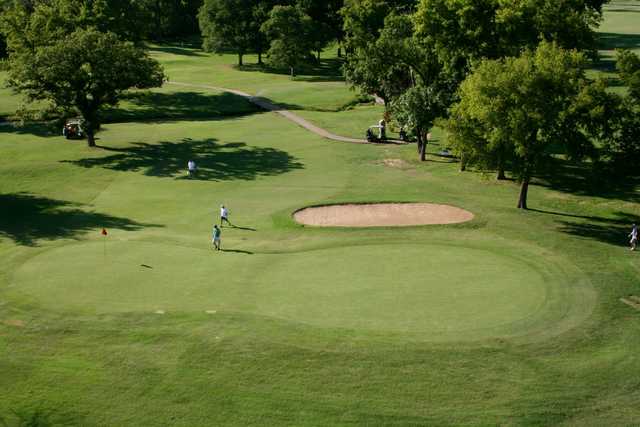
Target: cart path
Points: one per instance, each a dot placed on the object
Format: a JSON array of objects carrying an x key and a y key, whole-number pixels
[{"x": 270, "y": 106}]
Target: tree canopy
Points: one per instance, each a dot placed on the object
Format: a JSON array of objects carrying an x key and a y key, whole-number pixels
[
  {"x": 133, "y": 20},
  {"x": 515, "y": 109},
  {"x": 463, "y": 31},
  {"x": 85, "y": 70},
  {"x": 289, "y": 28},
  {"x": 232, "y": 25}
]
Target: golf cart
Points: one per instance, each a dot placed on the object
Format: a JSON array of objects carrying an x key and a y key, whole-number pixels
[
  {"x": 376, "y": 133},
  {"x": 73, "y": 129}
]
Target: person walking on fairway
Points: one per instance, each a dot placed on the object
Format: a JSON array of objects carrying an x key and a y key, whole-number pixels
[
  {"x": 224, "y": 215},
  {"x": 634, "y": 237},
  {"x": 192, "y": 168},
  {"x": 216, "y": 237}
]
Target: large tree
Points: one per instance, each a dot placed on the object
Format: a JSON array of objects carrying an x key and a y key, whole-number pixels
[
  {"x": 290, "y": 31},
  {"x": 169, "y": 18},
  {"x": 427, "y": 90},
  {"x": 418, "y": 108},
  {"x": 40, "y": 21},
  {"x": 628, "y": 65},
  {"x": 327, "y": 21},
  {"x": 85, "y": 71},
  {"x": 371, "y": 63},
  {"x": 463, "y": 31},
  {"x": 622, "y": 133},
  {"x": 520, "y": 107},
  {"x": 232, "y": 25}
]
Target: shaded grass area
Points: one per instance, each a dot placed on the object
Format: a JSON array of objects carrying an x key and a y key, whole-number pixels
[
  {"x": 170, "y": 105},
  {"x": 27, "y": 218},
  {"x": 215, "y": 161},
  {"x": 325, "y": 70},
  {"x": 612, "y": 41}
]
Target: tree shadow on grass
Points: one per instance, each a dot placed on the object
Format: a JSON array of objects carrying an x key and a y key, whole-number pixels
[
  {"x": 42, "y": 129},
  {"x": 188, "y": 50},
  {"x": 147, "y": 105},
  {"x": 618, "y": 41},
  {"x": 580, "y": 179},
  {"x": 215, "y": 161},
  {"x": 26, "y": 218},
  {"x": 325, "y": 70},
  {"x": 613, "y": 231}
]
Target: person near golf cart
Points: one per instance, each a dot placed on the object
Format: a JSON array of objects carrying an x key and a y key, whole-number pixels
[{"x": 382, "y": 134}]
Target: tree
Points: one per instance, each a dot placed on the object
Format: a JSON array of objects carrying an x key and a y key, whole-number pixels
[
  {"x": 371, "y": 63},
  {"x": 417, "y": 109},
  {"x": 428, "y": 91},
  {"x": 622, "y": 136},
  {"x": 169, "y": 18},
  {"x": 39, "y": 21},
  {"x": 85, "y": 70},
  {"x": 463, "y": 31},
  {"x": 628, "y": 65},
  {"x": 231, "y": 25},
  {"x": 327, "y": 21},
  {"x": 289, "y": 29},
  {"x": 520, "y": 107},
  {"x": 406, "y": 73}
]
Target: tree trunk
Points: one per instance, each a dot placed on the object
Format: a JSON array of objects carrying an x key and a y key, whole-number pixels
[
  {"x": 259, "y": 58},
  {"x": 463, "y": 163},
  {"x": 422, "y": 145},
  {"x": 319, "y": 55},
  {"x": 339, "y": 51},
  {"x": 500, "y": 175},
  {"x": 91, "y": 140},
  {"x": 292, "y": 73},
  {"x": 522, "y": 202},
  {"x": 240, "y": 64}
]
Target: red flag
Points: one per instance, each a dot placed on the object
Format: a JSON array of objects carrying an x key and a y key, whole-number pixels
[{"x": 104, "y": 232}]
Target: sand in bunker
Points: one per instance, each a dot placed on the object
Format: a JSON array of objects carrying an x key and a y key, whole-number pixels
[{"x": 381, "y": 215}]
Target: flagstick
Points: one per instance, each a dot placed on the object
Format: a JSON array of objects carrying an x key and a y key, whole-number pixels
[{"x": 104, "y": 245}]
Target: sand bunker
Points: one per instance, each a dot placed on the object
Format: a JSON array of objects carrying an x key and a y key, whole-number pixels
[{"x": 381, "y": 215}]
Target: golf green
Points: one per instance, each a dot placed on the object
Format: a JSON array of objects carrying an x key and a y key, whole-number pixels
[{"x": 433, "y": 291}]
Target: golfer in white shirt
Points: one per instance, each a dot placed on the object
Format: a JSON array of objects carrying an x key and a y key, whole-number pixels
[
  {"x": 191, "y": 166},
  {"x": 224, "y": 215}
]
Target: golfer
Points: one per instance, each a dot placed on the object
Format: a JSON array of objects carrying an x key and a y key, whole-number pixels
[
  {"x": 216, "y": 237},
  {"x": 382, "y": 129},
  {"x": 634, "y": 237},
  {"x": 192, "y": 168},
  {"x": 224, "y": 215}
]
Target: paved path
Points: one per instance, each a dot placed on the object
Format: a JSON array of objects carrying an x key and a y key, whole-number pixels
[{"x": 270, "y": 106}]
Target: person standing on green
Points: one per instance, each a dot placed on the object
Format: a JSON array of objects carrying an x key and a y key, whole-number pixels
[{"x": 216, "y": 237}]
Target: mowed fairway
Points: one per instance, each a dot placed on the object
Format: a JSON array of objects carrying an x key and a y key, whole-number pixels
[{"x": 513, "y": 318}]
